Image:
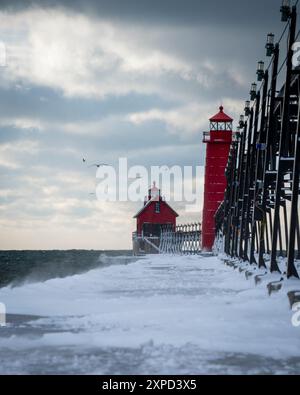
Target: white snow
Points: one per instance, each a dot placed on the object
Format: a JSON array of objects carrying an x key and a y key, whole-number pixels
[{"x": 193, "y": 305}]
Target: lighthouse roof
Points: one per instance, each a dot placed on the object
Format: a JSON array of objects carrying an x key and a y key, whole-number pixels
[
  {"x": 154, "y": 196},
  {"x": 155, "y": 200},
  {"x": 221, "y": 116}
]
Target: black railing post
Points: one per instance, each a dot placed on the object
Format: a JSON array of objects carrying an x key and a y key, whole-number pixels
[
  {"x": 252, "y": 180},
  {"x": 239, "y": 191},
  {"x": 270, "y": 134},
  {"x": 258, "y": 215},
  {"x": 284, "y": 137},
  {"x": 244, "y": 211},
  {"x": 294, "y": 216}
]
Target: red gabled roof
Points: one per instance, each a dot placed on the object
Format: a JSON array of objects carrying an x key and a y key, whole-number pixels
[
  {"x": 148, "y": 204},
  {"x": 221, "y": 116}
]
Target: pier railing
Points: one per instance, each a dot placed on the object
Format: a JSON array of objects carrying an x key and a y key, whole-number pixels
[
  {"x": 184, "y": 239},
  {"x": 260, "y": 216}
]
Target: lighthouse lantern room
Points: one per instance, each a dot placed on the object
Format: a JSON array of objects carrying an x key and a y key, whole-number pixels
[{"x": 218, "y": 141}]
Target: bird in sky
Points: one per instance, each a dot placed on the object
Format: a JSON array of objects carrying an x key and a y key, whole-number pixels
[
  {"x": 98, "y": 165},
  {"x": 138, "y": 176}
]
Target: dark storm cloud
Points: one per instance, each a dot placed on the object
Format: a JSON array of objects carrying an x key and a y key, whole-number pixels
[
  {"x": 229, "y": 12},
  {"x": 49, "y": 104}
]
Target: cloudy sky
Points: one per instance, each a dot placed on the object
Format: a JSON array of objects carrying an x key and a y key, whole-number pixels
[{"x": 109, "y": 79}]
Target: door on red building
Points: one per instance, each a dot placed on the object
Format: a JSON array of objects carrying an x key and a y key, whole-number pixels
[{"x": 151, "y": 230}]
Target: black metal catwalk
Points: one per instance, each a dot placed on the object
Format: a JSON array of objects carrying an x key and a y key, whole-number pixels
[{"x": 260, "y": 216}]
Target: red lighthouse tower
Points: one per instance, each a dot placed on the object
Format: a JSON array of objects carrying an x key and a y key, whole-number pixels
[{"x": 218, "y": 141}]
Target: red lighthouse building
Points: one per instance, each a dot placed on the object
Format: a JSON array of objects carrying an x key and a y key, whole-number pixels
[
  {"x": 155, "y": 213},
  {"x": 218, "y": 141}
]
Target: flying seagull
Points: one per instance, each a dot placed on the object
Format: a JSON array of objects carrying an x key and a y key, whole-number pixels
[
  {"x": 138, "y": 176},
  {"x": 99, "y": 165}
]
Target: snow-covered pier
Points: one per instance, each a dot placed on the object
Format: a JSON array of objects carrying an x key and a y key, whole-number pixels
[{"x": 161, "y": 314}]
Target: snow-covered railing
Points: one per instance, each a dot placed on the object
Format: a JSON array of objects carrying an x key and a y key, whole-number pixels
[
  {"x": 184, "y": 239},
  {"x": 146, "y": 239}
]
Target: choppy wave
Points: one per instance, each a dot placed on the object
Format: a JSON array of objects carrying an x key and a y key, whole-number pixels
[{"x": 19, "y": 267}]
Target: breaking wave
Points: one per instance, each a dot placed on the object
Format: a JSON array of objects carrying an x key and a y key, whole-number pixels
[{"x": 19, "y": 267}]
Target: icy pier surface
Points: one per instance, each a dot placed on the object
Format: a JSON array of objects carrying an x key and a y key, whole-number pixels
[{"x": 159, "y": 315}]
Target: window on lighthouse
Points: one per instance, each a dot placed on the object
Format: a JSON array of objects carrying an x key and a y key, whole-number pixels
[
  {"x": 229, "y": 126},
  {"x": 213, "y": 126},
  {"x": 220, "y": 126},
  {"x": 157, "y": 207}
]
